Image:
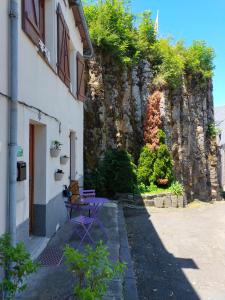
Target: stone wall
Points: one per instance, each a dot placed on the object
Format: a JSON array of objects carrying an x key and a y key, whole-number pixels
[
  {"x": 186, "y": 115},
  {"x": 114, "y": 115}
]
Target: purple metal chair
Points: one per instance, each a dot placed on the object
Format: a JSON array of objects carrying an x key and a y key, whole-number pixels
[{"x": 85, "y": 223}]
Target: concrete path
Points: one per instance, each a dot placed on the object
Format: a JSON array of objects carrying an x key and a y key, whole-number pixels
[
  {"x": 178, "y": 253},
  {"x": 57, "y": 283}
]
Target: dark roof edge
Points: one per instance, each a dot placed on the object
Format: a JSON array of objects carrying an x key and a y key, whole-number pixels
[{"x": 81, "y": 23}]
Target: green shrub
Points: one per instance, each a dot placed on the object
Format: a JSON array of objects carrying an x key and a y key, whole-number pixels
[
  {"x": 163, "y": 165},
  {"x": 177, "y": 188},
  {"x": 213, "y": 130},
  {"x": 94, "y": 180},
  {"x": 118, "y": 171},
  {"x": 17, "y": 264},
  {"x": 162, "y": 136},
  {"x": 168, "y": 61},
  {"x": 111, "y": 28},
  {"x": 93, "y": 270},
  {"x": 145, "y": 166},
  {"x": 199, "y": 59},
  {"x": 172, "y": 61},
  {"x": 146, "y": 35}
]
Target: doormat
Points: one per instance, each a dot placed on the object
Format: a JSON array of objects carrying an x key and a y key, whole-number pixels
[{"x": 51, "y": 256}]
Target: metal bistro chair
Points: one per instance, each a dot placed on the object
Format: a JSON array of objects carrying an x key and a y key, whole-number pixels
[
  {"x": 84, "y": 194},
  {"x": 83, "y": 222}
]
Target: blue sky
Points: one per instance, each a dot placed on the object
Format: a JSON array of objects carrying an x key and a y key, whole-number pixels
[{"x": 193, "y": 20}]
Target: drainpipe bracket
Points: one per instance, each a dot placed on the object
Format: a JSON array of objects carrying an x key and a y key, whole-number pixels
[{"x": 13, "y": 14}]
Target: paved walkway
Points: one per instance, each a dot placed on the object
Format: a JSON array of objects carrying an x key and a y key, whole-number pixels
[
  {"x": 178, "y": 253},
  {"x": 57, "y": 283}
]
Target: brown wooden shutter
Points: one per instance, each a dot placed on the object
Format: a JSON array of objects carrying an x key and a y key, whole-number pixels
[
  {"x": 80, "y": 77},
  {"x": 63, "y": 48},
  {"x": 33, "y": 19}
]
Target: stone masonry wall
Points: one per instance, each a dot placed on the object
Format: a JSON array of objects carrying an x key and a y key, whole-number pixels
[
  {"x": 114, "y": 114},
  {"x": 186, "y": 115}
]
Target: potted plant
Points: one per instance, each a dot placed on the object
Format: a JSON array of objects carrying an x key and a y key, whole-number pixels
[
  {"x": 64, "y": 159},
  {"x": 55, "y": 148},
  {"x": 59, "y": 175}
]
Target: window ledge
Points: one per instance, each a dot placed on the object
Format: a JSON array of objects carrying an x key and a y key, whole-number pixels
[{"x": 46, "y": 61}]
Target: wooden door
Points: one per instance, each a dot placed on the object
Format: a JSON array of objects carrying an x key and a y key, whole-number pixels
[{"x": 31, "y": 177}]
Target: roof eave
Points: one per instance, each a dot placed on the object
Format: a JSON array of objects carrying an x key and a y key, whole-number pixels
[{"x": 81, "y": 23}]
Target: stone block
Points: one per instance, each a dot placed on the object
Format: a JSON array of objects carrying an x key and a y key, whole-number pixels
[
  {"x": 174, "y": 202},
  {"x": 150, "y": 202},
  {"x": 130, "y": 197},
  {"x": 167, "y": 201},
  {"x": 159, "y": 202},
  {"x": 180, "y": 201}
]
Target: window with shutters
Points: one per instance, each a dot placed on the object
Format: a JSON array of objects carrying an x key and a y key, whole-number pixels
[
  {"x": 63, "y": 48},
  {"x": 80, "y": 77},
  {"x": 33, "y": 19}
]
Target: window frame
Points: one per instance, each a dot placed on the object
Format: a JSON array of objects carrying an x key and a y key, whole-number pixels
[{"x": 34, "y": 30}]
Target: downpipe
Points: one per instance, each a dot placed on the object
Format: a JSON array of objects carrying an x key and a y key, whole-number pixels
[
  {"x": 12, "y": 146},
  {"x": 13, "y": 79}
]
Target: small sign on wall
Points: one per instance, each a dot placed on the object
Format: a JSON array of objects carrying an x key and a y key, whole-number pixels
[{"x": 19, "y": 151}]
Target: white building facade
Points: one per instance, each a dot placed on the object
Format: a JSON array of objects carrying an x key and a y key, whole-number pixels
[{"x": 52, "y": 39}]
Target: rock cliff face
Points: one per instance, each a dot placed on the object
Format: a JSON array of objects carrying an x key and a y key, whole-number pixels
[{"x": 114, "y": 115}]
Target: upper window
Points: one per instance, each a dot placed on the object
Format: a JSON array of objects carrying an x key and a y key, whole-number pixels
[
  {"x": 63, "y": 48},
  {"x": 33, "y": 12}
]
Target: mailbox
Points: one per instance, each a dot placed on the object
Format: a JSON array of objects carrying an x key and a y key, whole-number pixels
[{"x": 21, "y": 171}]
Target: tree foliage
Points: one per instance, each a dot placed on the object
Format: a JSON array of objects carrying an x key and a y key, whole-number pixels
[
  {"x": 116, "y": 31},
  {"x": 111, "y": 28},
  {"x": 199, "y": 59}
]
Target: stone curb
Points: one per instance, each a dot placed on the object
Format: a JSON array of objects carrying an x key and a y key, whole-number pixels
[
  {"x": 162, "y": 200},
  {"x": 129, "y": 283}
]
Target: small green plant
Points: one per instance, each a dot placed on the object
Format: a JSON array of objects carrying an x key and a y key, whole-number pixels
[
  {"x": 177, "y": 189},
  {"x": 17, "y": 264},
  {"x": 93, "y": 270},
  {"x": 152, "y": 189},
  {"x": 213, "y": 130},
  {"x": 56, "y": 145}
]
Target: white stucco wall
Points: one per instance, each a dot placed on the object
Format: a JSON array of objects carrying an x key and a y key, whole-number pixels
[
  {"x": 39, "y": 86},
  {"x": 3, "y": 113}
]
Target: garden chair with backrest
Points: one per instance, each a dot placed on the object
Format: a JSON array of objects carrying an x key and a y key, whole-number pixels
[{"x": 82, "y": 224}]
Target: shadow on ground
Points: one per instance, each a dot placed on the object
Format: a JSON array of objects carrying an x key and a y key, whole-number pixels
[
  {"x": 56, "y": 282},
  {"x": 159, "y": 273}
]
